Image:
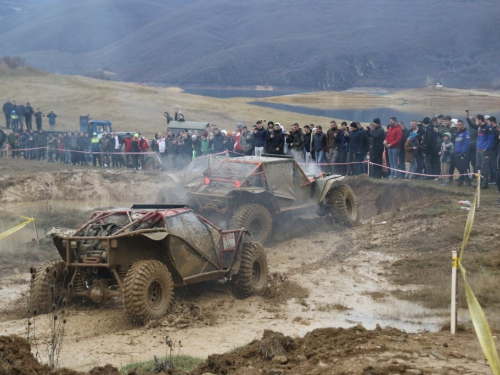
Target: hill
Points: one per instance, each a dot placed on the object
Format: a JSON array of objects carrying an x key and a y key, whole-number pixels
[{"x": 320, "y": 45}]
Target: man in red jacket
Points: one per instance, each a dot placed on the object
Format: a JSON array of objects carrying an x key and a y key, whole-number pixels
[{"x": 393, "y": 143}]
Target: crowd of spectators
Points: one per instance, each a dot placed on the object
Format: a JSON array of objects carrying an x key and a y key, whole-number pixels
[{"x": 434, "y": 148}]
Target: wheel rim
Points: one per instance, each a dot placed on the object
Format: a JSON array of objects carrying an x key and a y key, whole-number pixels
[
  {"x": 348, "y": 206},
  {"x": 155, "y": 294},
  {"x": 255, "y": 228},
  {"x": 256, "y": 272}
]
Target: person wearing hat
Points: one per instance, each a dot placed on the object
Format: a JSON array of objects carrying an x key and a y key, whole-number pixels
[
  {"x": 354, "y": 149},
  {"x": 28, "y": 115},
  {"x": 377, "y": 134},
  {"x": 196, "y": 145}
]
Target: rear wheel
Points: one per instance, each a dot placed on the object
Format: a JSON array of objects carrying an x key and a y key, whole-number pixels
[
  {"x": 148, "y": 290},
  {"x": 252, "y": 276},
  {"x": 165, "y": 195},
  {"x": 49, "y": 282},
  {"x": 256, "y": 219},
  {"x": 342, "y": 204}
]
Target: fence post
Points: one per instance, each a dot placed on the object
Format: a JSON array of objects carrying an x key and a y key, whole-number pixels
[
  {"x": 478, "y": 188},
  {"x": 453, "y": 320}
]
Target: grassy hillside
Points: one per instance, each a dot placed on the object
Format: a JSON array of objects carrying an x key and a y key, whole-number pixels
[
  {"x": 129, "y": 106},
  {"x": 320, "y": 45}
]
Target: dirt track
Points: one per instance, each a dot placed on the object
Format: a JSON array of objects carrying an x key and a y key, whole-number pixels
[{"x": 335, "y": 278}]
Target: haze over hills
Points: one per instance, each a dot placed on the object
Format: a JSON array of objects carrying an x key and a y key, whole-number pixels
[{"x": 321, "y": 45}]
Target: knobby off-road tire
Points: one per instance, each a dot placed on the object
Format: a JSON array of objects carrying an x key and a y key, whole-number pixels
[
  {"x": 252, "y": 276},
  {"x": 256, "y": 219},
  {"x": 48, "y": 287},
  {"x": 342, "y": 204},
  {"x": 148, "y": 290},
  {"x": 165, "y": 195}
]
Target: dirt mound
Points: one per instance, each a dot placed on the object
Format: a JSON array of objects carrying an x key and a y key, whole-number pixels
[
  {"x": 281, "y": 289},
  {"x": 340, "y": 351},
  {"x": 16, "y": 358}
]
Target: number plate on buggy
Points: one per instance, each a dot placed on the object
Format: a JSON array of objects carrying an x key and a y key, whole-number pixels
[{"x": 228, "y": 240}]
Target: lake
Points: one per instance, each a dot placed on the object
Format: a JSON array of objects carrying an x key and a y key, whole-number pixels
[
  {"x": 244, "y": 93},
  {"x": 367, "y": 115}
]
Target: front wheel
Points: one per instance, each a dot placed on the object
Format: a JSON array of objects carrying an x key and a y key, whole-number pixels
[
  {"x": 256, "y": 219},
  {"x": 342, "y": 204},
  {"x": 148, "y": 290},
  {"x": 254, "y": 269}
]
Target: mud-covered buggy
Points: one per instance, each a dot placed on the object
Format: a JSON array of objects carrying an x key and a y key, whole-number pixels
[
  {"x": 141, "y": 254},
  {"x": 255, "y": 192}
]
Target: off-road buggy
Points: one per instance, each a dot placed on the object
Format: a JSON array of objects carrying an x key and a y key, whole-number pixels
[
  {"x": 250, "y": 192},
  {"x": 176, "y": 190},
  {"x": 141, "y": 254}
]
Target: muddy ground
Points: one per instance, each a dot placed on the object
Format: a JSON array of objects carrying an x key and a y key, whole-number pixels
[{"x": 392, "y": 270}]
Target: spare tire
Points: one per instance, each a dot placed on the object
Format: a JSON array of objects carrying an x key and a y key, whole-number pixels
[
  {"x": 252, "y": 275},
  {"x": 256, "y": 219},
  {"x": 341, "y": 203}
]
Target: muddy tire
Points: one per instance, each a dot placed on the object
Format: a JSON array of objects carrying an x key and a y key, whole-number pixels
[
  {"x": 148, "y": 290},
  {"x": 48, "y": 287},
  {"x": 256, "y": 219},
  {"x": 165, "y": 196},
  {"x": 252, "y": 276},
  {"x": 342, "y": 205}
]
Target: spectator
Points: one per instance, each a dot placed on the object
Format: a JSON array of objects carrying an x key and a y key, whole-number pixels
[
  {"x": 128, "y": 149},
  {"x": 246, "y": 141},
  {"x": 334, "y": 138},
  {"x": 473, "y": 140},
  {"x": 67, "y": 147},
  {"x": 96, "y": 150},
  {"x": 21, "y": 112},
  {"x": 14, "y": 120},
  {"x": 52, "y": 141},
  {"x": 485, "y": 140},
  {"x": 462, "y": 147},
  {"x": 38, "y": 119},
  {"x": 135, "y": 151},
  {"x": 276, "y": 141},
  {"x": 402, "y": 153},
  {"x": 168, "y": 117},
  {"x": 377, "y": 134},
  {"x": 393, "y": 143},
  {"x": 319, "y": 145},
  {"x": 14, "y": 143},
  {"x": 428, "y": 145},
  {"x": 52, "y": 120},
  {"x": 237, "y": 135},
  {"x": 41, "y": 144},
  {"x": 28, "y": 115},
  {"x": 7, "y": 110},
  {"x": 3, "y": 138},
  {"x": 354, "y": 148},
  {"x": 86, "y": 143},
  {"x": 260, "y": 139},
  {"x": 117, "y": 148},
  {"x": 296, "y": 142},
  {"x": 446, "y": 153},
  {"x": 196, "y": 145}
]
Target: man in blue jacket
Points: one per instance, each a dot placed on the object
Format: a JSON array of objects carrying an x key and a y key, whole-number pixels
[
  {"x": 260, "y": 139},
  {"x": 485, "y": 140},
  {"x": 462, "y": 147}
]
